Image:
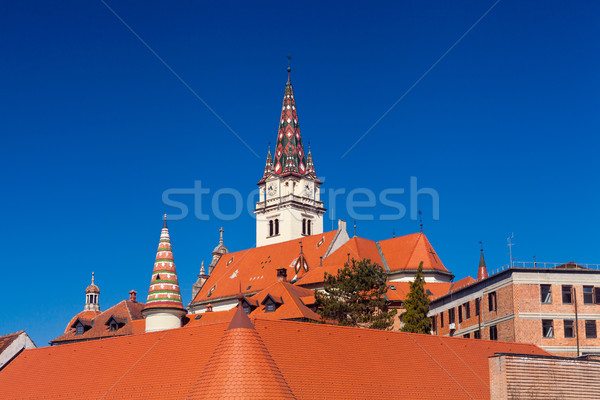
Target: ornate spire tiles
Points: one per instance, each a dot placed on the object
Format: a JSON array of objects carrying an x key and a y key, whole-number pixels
[
  {"x": 164, "y": 286},
  {"x": 289, "y": 158},
  {"x": 482, "y": 273},
  {"x": 268, "y": 167}
]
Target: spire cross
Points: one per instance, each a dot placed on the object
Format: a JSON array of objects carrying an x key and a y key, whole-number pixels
[
  {"x": 433, "y": 254},
  {"x": 421, "y": 220},
  {"x": 301, "y": 247},
  {"x": 289, "y": 68},
  {"x": 481, "y": 246}
]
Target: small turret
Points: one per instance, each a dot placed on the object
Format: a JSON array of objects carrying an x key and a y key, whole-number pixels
[
  {"x": 218, "y": 252},
  {"x": 202, "y": 278},
  {"x": 92, "y": 294},
  {"x": 482, "y": 273},
  {"x": 164, "y": 308}
]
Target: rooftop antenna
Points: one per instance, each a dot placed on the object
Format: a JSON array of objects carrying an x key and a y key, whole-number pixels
[
  {"x": 421, "y": 220},
  {"x": 510, "y": 244}
]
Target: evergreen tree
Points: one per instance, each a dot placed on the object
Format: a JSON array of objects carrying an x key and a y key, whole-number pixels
[
  {"x": 416, "y": 306},
  {"x": 354, "y": 297}
]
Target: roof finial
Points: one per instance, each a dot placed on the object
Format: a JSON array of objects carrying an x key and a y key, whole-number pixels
[
  {"x": 202, "y": 270},
  {"x": 289, "y": 68},
  {"x": 394, "y": 233},
  {"x": 354, "y": 228},
  {"x": 165, "y": 223},
  {"x": 421, "y": 220},
  {"x": 92, "y": 278},
  {"x": 301, "y": 252},
  {"x": 481, "y": 245},
  {"x": 221, "y": 235}
]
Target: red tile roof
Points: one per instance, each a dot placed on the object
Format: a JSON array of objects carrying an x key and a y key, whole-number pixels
[
  {"x": 403, "y": 288},
  {"x": 256, "y": 267},
  {"x": 406, "y": 252},
  {"x": 6, "y": 340},
  {"x": 316, "y": 361},
  {"x": 293, "y": 302},
  {"x": 126, "y": 310}
]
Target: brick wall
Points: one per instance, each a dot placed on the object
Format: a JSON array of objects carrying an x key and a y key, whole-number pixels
[{"x": 515, "y": 377}]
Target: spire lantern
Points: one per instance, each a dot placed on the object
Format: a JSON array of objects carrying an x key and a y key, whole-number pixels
[
  {"x": 164, "y": 308},
  {"x": 92, "y": 294}
]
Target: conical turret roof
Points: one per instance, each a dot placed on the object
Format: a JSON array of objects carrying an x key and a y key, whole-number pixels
[
  {"x": 164, "y": 285},
  {"x": 482, "y": 273},
  {"x": 241, "y": 366},
  {"x": 268, "y": 167},
  {"x": 289, "y": 157}
]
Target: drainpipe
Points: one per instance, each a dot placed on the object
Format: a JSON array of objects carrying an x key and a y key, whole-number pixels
[{"x": 576, "y": 319}]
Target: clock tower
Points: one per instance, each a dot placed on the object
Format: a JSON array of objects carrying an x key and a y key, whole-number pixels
[{"x": 289, "y": 205}]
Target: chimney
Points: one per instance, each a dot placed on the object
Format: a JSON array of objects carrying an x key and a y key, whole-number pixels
[
  {"x": 281, "y": 275},
  {"x": 209, "y": 308},
  {"x": 133, "y": 296},
  {"x": 341, "y": 225}
]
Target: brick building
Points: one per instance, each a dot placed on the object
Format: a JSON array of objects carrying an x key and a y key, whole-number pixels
[{"x": 555, "y": 307}]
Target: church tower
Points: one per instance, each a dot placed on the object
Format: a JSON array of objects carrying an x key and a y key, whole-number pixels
[{"x": 289, "y": 205}]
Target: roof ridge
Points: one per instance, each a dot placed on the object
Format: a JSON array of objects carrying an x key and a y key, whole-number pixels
[{"x": 413, "y": 249}]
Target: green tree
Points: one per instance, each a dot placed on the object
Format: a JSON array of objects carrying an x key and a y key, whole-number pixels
[
  {"x": 416, "y": 306},
  {"x": 355, "y": 296}
]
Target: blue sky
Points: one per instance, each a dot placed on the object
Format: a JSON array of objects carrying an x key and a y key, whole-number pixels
[{"x": 95, "y": 128}]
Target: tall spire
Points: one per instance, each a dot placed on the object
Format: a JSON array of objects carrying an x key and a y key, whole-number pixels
[
  {"x": 310, "y": 168},
  {"x": 164, "y": 295},
  {"x": 289, "y": 156},
  {"x": 482, "y": 273}
]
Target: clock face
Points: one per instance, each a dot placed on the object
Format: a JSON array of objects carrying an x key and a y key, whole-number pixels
[
  {"x": 307, "y": 190},
  {"x": 272, "y": 189}
]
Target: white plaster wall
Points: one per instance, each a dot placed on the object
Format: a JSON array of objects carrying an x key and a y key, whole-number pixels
[{"x": 162, "y": 320}]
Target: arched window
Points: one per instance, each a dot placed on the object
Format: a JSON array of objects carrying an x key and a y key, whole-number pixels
[
  {"x": 308, "y": 226},
  {"x": 271, "y": 228},
  {"x": 304, "y": 226},
  {"x": 277, "y": 226}
]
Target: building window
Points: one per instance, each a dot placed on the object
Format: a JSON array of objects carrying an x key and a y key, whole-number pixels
[
  {"x": 569, "y": 328},
  {"x": 493, "y": 306},
  {"x": 246, "y": 308},
  {"x": 113, "y": 327},
  {"x": 467, "y": 307},
  {"x": 477, "y": 306},
  {"x": 459, "y": 313},
  {"x": 588, "y": 295},
  {"x": 467, "y": 335},
  {"x": 567, "y": 294},
  {"x": 547, "y": 328},
  {"x": 442, "y": 319},
  {"x": 269, "y": 307},
  {"x": 276, "y": 226},
  {"x": 493, "y": 332},
  {"x": 271, "y": 228},
  {"x": 590, "y": 329},
  {"x": 451, "y": 316},
  {"x": 546, "y": 292},
  {"x": 304, "y": 226},
  {"x": 477, "y": 334},
  {"x": 308, "y": 227},
  {"x": 79, "y": 329}
]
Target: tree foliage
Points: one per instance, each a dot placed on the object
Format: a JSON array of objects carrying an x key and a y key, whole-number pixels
[
  {"x": 355, "y": 296},
  {"x": 416, "y": 306}
]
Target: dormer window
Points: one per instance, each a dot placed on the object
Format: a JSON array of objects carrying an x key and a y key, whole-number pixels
[
  {"x": 113, "y": 327},
  {"x": 246, "y": 308},
  {"x": 79, "y": 329},
  {"x": 271, "y": 303},
  {"x": 270, "y": 307}
]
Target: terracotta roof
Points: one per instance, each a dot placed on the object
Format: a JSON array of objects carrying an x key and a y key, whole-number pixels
[
  {"x": 401, "y": 290},
  {"x": 315, "y": 360},
  {"x": 358, "y": 248},
  {"x": 293, "y": 302},
  {"x": 241, "y": 367},
  {"x": 406, "y": 252},
  {"x": 212, "y": 317},
  {"x": 256, "y": 268},
  {"x": 126, "y": 310},
  {"x": 164, "y": 286},
  {"x": 6, "y": 340}
]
